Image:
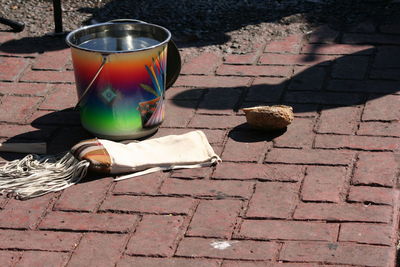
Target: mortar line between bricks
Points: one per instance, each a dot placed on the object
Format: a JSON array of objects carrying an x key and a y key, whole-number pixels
[
  {"x": 48, "y": 209},
  {"x": 128, "y": 238},
  {"x": 106, "y": 195},
  {"x": 71, "y": 253},
  {"x": 21, "y": 72},
  {"x": 396, "y": 223},
  {"x": 352, "y": 170},
  {"x": 299, "y": 195}
]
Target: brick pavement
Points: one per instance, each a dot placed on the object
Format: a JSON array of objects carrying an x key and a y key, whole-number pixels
[{"x": 322, "y": 193}]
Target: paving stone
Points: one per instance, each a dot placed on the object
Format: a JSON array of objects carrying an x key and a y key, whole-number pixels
[
  {"x": 387, "y": 57},
  {"x": 343, "y": 212},
  {"x": 196, "y": 173},
  {"x": 220, "y": 101},
  {"x": 214, "y": 136},
  {"x": 323, "y": 34},
  {"x": 156, "y": 235},
  {"x": 363, "y": 38},
  {"x": 286, "y": 59},
  {"x": 38, "y": 240},
  {"x": 315, "y": 156},
  {"x": 299, "y": 134},
  {"x": 85, "y": 196},
  {"x": 63, "y": 97},
  {"x": 273, "y": 200},
  {"x": 88, "y": 221},
  {"x": 356, "y": 142},
  {"x": 306, "y": 78},
  {"x": 219, "y": 189},
  {"x": 350, "y": 67},
  {"x": 216, "y": 122},
  {"x": 33, "y": 89},
  {"x": 8, "y": 258},
  {"x": 323, "y": 183},
  {"x": 266, "y": 89},
  {"x": 337, "y": 49},
  {"x": 244, "y": 70},
  {"x": 383, "y": 108},
  {"x": 145, "y": 204},
  {"x": 267, "y": 172},
  {"x": 248, "y": 59},
  {"x": 42, "y": 258},
  {"x": 144, "y": 184},
  {"x": 365, "y": 86},
  {"x": 48, "y": 76},
  {"x": 326, "y": 98},
  {"x": 52, "y": 60},
  {"x": 24, "y": 214},
  {"x": 205, "y": 63},
  {"x": 12, "y": 68},
  {"x": 337, "y": 253},
  {"x": 288, "y": 230},
  {"x": 214, "y": 218},
  {"x": 339, "y": 120},
  {"x": 184, "y": 93},
  {"x": 98, "y": 250},
  {"x": 379, "y": 128},
  {"x": 247, "y": 250},
  {"x": 26, "y": 132},
  {"x": 166, "y": 262},
  {"x": 289, "y": 44},
  {"x": 377, "y": 195},
  {"x": 211, "y": 81},
  {"x": 238, "y": 263},
  {"x": 368, "y": 172},
  {"x": 366, "y": 233},
  {"x": 390, "y": 28},
  {"x": 58, "y": 118},
  {"x": 384, "y": 74},
  {"x": 17, "y": 109},
  {"x": 178, "y": 113}
]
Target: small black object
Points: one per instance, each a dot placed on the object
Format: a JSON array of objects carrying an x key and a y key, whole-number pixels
[{"x": 16, "y": 26}]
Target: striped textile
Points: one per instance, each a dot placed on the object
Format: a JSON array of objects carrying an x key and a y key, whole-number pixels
[{"x": 94, "y": 152}]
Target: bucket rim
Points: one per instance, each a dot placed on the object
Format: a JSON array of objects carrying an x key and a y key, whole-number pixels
[{"x": 106, "y": 52}]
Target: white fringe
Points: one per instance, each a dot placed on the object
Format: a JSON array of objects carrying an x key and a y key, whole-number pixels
[{"x": 34, "y": 176}]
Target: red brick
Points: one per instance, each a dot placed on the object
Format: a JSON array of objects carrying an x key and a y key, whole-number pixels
[
  {"x": 52, "y": 60},
  {"x": 339, "y": 253},
  {"x": 243, "y": 70},
  {"x": 299, "y": 134},
  {"x": 24, "y": 214},
  {"x": 17, "y": 109},
  {"x": 288, "y": 230},
  {"x": 63, "y": 97},
  {"x": 214, "y": 218},
  {"x": 375, "y": 168},
  {"x": 365, "y": 86},
  {"x": 245, "y": 146},
  {"x": 145, "y": 184},
  {"x": 366, "y": 233},
  {"x": 379, "y": 128},
  {"x": 362, "y": 38},
  {"x": 220, "y": 101},
  {"x": 337, "y": 49},
  {"x": 207, "y": 188},
  {"x": 84, "y": 196},
  {"x": 211, "y": 81},
  {"x": 143, "y": 204},
  {"x": 183, "y": 93},
  {"x": 8, "y": 258},
  {"x": 387, "y": 57},
  {"x": 385, "y": 108},
  {"x": 196, "y": 173},
  {"x": 178, "y": 113},
  {"x": 214, "y": 136},
  {"x": 88, "y": 221},
  {"x": 343, "y": 212},
  {"x": 384, "y": 74},
  {"x": 216, "y": 122},
  {"x": 98, "y": 250},
  {"x": 377, "y": 195},
  {"x": 267, "y": 172},
  {"x": 166, "y": 262},
  {"x": 307, "y": 60},
  {"x": 38, "y": 240},
  {"x": 327, "y": 98},
  {"x": 11, "y": 67},
  {"x": 231, "y": 263},
  {"x": 26, "y": 132},
  {"x": 323, "y": 183},
  {"x": 48, "y": 76},
  {"x": 305, "y": 110},
  {"x": 323, "y": 34},
  {"x": 315, "y": 156},
  {"x": 342, "y": 120},
  {"x": 42, "y": 258},
  {"x": 290, "y": 44},
  {"x": 350, "y": 67},
  {"x": 273, "y": 200},
  {"x": 155, "y": 235},
  {"x": 203, "y": 64},
  {"x": 307, "y": 78},
  {"x": 244, "y": 250},
  {"x": 390, "y": 28},
  {"x": 64, "y": 118},
  {"x": 266, "y": 89},
  {"x": 24, "y": 88},
  {"x": 356, "y": 142},
  {"x": 249, "y": 58}
]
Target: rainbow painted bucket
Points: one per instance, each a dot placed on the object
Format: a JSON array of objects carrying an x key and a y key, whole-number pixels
[{"x": 121, "y": 76}]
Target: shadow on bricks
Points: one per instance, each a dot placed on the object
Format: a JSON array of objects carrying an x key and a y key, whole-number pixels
[{"x": 31, "y": 45}]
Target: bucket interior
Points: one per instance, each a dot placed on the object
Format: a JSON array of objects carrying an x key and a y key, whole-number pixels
[{"x": 118, "y": 37}]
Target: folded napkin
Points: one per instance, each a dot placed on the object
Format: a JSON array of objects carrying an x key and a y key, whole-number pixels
[{"x": 34, "y": 176}]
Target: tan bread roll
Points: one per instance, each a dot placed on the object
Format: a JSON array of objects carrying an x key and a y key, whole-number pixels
[{"x": 269, "y": 117}]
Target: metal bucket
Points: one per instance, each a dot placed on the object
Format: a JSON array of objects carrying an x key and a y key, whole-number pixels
[{"x": 121, "y": 76}]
